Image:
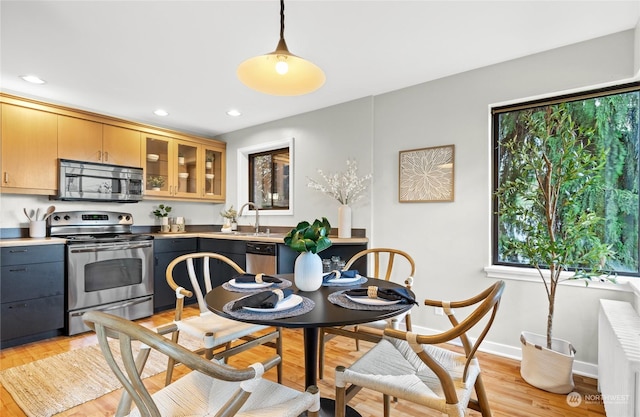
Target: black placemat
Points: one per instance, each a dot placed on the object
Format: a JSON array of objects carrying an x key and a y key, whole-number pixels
[
  {"x": 339, "y": 298},
  {"x": 304, "y": 307}
]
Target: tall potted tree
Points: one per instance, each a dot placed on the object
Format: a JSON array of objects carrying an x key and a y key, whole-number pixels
[{"x": 549, "y": 170}]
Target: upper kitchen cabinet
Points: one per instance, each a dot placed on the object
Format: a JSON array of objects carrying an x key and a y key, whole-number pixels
[
  {"x": 85, "y": 140},
  {"x": 29, "y": 150},
  {"x": 170, "y": 167},
  {"x": 36, "y": 134},
  {"x": 183, "y": 169}
]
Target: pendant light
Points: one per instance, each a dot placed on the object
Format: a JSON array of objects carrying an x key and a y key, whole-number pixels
[{"x": 280, "y": 72}]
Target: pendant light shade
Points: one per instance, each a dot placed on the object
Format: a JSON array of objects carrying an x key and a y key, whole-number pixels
[{"x": 280, "y": 72}]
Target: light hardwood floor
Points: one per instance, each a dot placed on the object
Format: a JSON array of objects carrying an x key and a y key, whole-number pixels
[{"x": 508, "y": 394}]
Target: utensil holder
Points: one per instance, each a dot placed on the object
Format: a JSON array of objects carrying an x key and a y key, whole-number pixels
[{"x": 38, "y": 228}]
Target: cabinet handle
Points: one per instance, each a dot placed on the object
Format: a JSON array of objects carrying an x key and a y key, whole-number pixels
[
  {"x": 6, "y": 177},
  {"x": 99, "y": 156},
  {"x": 21, "y": 305},
  {"x": 17, "y": 250},
  {"x": 106, "y": 156},
  {"x": 18, "y": 270}
]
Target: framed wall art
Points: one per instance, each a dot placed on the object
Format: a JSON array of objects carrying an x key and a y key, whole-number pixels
[{"x": 426, "y": 175}]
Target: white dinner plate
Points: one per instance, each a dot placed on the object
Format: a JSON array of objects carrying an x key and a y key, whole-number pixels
[
  {"x": 291, "y": 301},
  {"x": 372, "y": 301},
  {"x": 344, "y": 280},
  {"x": 249, "y": 285}
]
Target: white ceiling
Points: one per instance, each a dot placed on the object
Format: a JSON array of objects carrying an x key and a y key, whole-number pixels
[{"x": 127, "y": 58}]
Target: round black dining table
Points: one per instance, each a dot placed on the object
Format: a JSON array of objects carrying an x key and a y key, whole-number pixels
[{"x": 324, "y": 314}]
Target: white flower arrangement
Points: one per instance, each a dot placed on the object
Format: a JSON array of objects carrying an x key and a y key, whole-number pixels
[{"x": 345, "y": 187}]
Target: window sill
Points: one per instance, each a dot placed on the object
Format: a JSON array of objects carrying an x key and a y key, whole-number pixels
[{"x": 624, "y": 283}]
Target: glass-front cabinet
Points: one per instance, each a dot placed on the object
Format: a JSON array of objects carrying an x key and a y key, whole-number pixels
[
  {"x": 187, "y": 178},
  {"x": 183, "y": 169},
  {"x": 213, "y": 184},
  {"x": 171, "y": 167}
]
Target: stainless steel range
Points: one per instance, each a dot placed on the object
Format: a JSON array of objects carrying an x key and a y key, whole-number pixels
[{"x": 108, "y": 267}]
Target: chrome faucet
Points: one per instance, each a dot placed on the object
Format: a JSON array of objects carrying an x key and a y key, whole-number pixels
[{"x": 251, "y": 204}]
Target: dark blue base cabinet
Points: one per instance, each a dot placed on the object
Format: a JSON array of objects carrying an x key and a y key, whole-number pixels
[
  {"x": 165, "y": 251},
  {"x": 31, "y": 293}
]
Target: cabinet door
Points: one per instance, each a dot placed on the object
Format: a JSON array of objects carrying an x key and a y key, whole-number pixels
[
  {"x": 79, "y": 139},
  {"x": 120, "y": 146},
  {"x": 158, "y": 170},
  {"x": 29, "y": 150},
  {"x": 214, "y": 173},
  {"x": 188, "y": 170}
]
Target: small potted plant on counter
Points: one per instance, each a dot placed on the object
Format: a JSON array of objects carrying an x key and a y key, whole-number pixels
[
  {"x": 309, "y": 239},
  {"x": 230, "y": 219},
  {"x": 162, "y": 213}
]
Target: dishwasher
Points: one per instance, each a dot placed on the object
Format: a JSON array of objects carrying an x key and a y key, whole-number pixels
[{"x": 261, "y": 258}]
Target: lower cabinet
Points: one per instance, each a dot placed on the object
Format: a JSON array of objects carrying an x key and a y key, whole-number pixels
[
  {"x": 165, "y": 251},
  {"x": 31, "y": 293},
  {"x": 232, "y": 249}
]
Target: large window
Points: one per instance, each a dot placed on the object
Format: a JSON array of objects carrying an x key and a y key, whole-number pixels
[
  {"x": 269, "y": 179},
  {"x": 605, "y": 123}
]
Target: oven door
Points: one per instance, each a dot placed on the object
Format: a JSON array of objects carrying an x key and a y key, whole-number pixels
[{"x": 104, "y": 273}]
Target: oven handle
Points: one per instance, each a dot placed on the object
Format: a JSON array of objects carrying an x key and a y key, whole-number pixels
[
  {"x": 112, "y": 248},
  {"x": 115, "y": 307}
]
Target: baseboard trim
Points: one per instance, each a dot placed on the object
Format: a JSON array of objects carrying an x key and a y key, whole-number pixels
[{"x": 514, "y": 352}]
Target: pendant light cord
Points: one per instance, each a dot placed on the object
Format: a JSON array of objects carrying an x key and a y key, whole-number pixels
[{"x": 281, "y": 19}]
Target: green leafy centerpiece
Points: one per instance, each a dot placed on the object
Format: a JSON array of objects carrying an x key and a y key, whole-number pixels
[{"x": 309, "y": 239}]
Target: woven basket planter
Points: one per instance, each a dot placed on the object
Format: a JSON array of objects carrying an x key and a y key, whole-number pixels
[{"x": 547, "y": 369}]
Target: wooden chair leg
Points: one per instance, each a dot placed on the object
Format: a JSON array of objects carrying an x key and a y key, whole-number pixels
[
  {"x": 386, "y": 404},
  {"x": 279, "y": 352},
  {"x": 355, "y": 329},
  {"x": 321, "y": 354},
  {"x": 341, "y": 405},
  {"x": 483, "y": 401},
  {"x": 171, "y": 363}
]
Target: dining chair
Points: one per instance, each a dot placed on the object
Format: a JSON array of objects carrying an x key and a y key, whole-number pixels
[
  {"x": 412, "y": 367},
  {"x": 211, "y": 388},
  {"x": 372, "y": 331},
  {"x": 214, "y": 331}
]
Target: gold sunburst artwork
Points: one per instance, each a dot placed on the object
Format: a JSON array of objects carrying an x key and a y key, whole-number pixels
[{"x": 426, "y": 174}]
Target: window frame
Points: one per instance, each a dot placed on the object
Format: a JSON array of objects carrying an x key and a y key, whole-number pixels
[
  {"x": 251, "y": 180},
  {"x": 243, "y": 175},
  {"x": 500, "y": 269}
]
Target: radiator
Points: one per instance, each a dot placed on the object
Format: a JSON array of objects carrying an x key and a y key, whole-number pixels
[{"x": 619, "y": 358}]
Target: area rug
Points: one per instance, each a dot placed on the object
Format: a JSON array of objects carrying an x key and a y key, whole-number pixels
[{"x": 50, "y": 386}]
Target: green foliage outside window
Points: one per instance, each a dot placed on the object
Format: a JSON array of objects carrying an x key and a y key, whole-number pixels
[{"x": 595, "y": 143}]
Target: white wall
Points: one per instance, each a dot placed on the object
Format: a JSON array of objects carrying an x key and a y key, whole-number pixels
[
  {"x": 450, "y": 241},
  {"x": 323, "y": 139}
]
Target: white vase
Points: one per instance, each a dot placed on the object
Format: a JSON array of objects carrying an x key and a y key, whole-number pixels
[
  {"x": 344, "y": 221},
  {"x": 307, "y": 271}
]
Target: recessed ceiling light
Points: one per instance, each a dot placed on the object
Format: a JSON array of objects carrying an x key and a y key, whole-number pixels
[
  {"x": 32, "y": 79},
  {"x": 234, "y": 113},
  {"x": 161, "y": 112}
]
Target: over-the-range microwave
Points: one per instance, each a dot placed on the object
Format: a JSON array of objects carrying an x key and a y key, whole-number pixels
[{"x": 99, "y": 182}]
